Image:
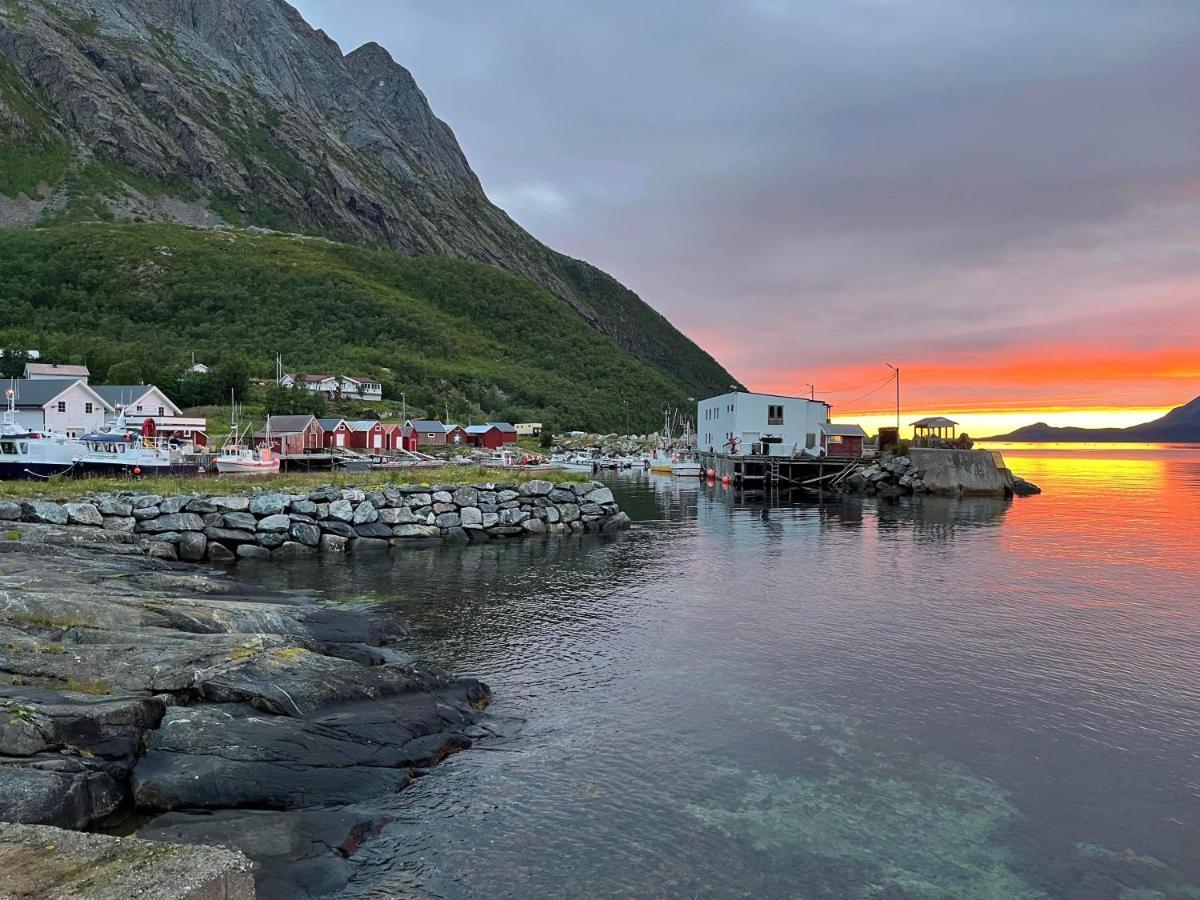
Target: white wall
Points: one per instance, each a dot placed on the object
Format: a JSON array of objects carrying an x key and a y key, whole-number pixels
[
  {"x": 76, "y": 419},
  {"x": 746, "y": 416}
]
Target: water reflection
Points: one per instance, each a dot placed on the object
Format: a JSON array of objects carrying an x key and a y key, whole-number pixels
[{"x": 925, "y": 698}]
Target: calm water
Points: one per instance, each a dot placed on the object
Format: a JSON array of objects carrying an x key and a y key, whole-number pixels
[{"x": 970, "y": 699}]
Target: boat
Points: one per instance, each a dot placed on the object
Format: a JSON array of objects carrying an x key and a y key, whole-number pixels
[
  {"x": 115, "y": 451},
  {"x": 26, "y": 454},
  {"x": 238, "y": 458},
  {"x": 576, "y": 463}
]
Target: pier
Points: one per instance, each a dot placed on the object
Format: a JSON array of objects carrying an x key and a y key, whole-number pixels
[{"x": 773, "y": 472}]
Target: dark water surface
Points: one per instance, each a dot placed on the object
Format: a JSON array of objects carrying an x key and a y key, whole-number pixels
[{"x": 968, "y": 699}]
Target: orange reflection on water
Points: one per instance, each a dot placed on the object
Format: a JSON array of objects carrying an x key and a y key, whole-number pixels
[{"x": 1106, "y": 504}]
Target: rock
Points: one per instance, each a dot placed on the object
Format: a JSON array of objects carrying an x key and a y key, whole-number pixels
[
  {"x": 83, "y": 514},
  {"x": 270, "y": 539},
  {"x": 252, "y": 551},
  {"x": 442, "y": 497},
  {"x": 229, "y": 535},
  {"x": 341, "y": 529},
  {"x": 535, "y": 488},
  {"x": 569, "y": 512},
  {"x": 173, "y": 522},
  {"x": 292, "y": 550},
  {"x": 119, "y": 524},
  {"x": 416, "y": 501},
  {"x": 353, "y": 495},
  {"x": 324, "y": 495},
  {"x": 377, "y": 498},
  {"x": 9, "y": 511},
  {"x": 243, "y": 521},
  {"x": 200, "y": 506},
  {"x": 471, "y": 517},
  {"x": 553, "y": 515},
  {"x": 63, "y": 792},
  {"x": 304, "y": 507},
  {"x": 278, "y": 523},
  {"x": 332, "y": 543},
  {"x": 268, "y": 504},
  {"x": 145, "y": 501},
  {"x": 442, "y": 508},
  {"x": 217, "y": 553},
  {"x": 142, "y": 513},
  {"x": 490, "y": 519},
  {"x": 401, "y": 515},
  {"x": 506, "y": 496},
  {"x": 417, "y": 531},
  {"x": 558, "y": 495},
  {"x": 466, "y": 496},
  {"x": 231, "y": 504},
  {"x": 534, "y": 526},
  {"x": 305, "y": 533},
  {"x": 617, "y": 522},
  {"x": 601, "y": 495},
  {"x": 192, "y": 545},
  {"x": 341, "y": 511},
  {"x": 1023, "y": 488},
  {"x": 45, "y": 511},
  {"x": 365, "y": 513},
  {"x": 449, "y": 520},
  {"x": 111, "y": 506},
  {"x": 456, "y": 535},
  {"x": 172, "y": 505},
  {"x": 373, "y": 530},
  {"x": 513, "y": 516},
  {"x": 162, "y": 550}
]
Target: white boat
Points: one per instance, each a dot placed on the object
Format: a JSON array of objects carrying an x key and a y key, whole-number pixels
[
  {"x": 237, "y": 458},
  {"x": 26, "y": 454},
  {"x": 576, "y": 463},
  {"x": 686, "y": 468}
]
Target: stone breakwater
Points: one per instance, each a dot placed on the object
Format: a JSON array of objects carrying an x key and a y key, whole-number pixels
[
  {"x": 948, "y": 472},
  {"x": 213, "y": 712},
  {"x": 265, "y": 525}
]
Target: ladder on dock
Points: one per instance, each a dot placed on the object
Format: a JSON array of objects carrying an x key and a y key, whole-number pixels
[{"x": 773, "y": 469}]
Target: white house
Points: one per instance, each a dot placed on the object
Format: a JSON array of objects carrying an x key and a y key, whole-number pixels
[
  {"x": 138, "y": 400},
  {"x": 528, "y": 429},
  {"x": 196, "y": 369},
  {"x": 35, "y": 371},
  {"x": 64, "y": 405},
  {"x": 358, "y": 388},
  {"x": 783, "y": 426}
]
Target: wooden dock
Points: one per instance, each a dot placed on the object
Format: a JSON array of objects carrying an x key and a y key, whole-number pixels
[{"x": 779, "y": 472}]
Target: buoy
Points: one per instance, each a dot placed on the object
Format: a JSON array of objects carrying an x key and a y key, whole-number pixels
[
  {"x": 725, "y": 480},
  {"x": 137, "y": 470},
  {"x": 712, "y": 473}
]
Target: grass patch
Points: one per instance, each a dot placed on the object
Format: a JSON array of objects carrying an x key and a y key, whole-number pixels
[
  {"x": 98, "y": 688},
  {"x": 12, "y": 535},
  {"x": 62, "y": 489}
]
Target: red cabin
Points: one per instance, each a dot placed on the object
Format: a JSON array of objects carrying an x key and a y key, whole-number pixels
[
  {"x": 410, "y": 439},
  {"x": 367, "y": 435},
  {"x": 392, "y": 435},
  {"x": 843, "y": 441},
  {"x": 492, "y": 435},
  {"x": 336, "y": 433},
  {"x": 456, "y": 436},
  {"x": 292, "y": 435}
]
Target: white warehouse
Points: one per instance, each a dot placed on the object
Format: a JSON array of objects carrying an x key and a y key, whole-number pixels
[{"x": 784, "y": 426}]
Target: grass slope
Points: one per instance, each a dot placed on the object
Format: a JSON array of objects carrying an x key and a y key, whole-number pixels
[{"x": 442, "y": 330}]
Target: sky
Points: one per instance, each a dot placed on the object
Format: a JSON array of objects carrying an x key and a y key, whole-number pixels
[{"x": 1000, "y": 198}]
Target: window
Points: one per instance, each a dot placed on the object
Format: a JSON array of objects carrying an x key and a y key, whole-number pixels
[
  {"x": 810, "y": 441},
  {"x": 775, "y": 415},
  {"x": 87, "y": 408},
  {"x": 8, "y": 449},
  {"x": 62, "y": 406},
  {"x": 835, "y": 439},
  {"x": 139, "y": 408},
  {"x": 161, "y": 411}
]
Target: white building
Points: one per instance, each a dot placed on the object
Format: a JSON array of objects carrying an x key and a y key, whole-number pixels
[
  {"x": 64, "y": 405},
  {"x": 138, "y": 400},
  {"x": 35, "y": 371},
  {"x": 528, "y": 429},
  {"x": 784, "y": 426},
  {"x": 357, "y": 388}
]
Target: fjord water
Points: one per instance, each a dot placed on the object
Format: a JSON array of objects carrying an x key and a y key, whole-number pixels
[{"x": 934, "y": 698}]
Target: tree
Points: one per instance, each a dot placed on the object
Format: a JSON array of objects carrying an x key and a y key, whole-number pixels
[
  {"x": 126, "y": 372},
  {"x": 12, "y": 363}
]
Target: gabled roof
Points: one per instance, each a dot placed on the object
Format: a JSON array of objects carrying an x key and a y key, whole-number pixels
[
  {"x": 503, "y": 426},
  {"x": 286, "y": 425},
  {"x": 127, "y": 394},
  {"x": 427, "y": 425},
  {"x": 933, "y": 422},
  {"x": 363, "y": 424},
  {"x": 34, "y": 393},
  {"x": 843, "y": 430},
  {"x": 57, "y": 371},
  {"x": 308, "y": 379},
  {"x": 331, "y": 424},
  {"x": 362, "y": 379}
]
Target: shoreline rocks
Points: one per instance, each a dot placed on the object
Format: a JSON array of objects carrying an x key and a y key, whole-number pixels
[
  {"x": 130, "y": 687},
  {"x": 930, "y": 471},
  {"x": 223, "y": 529}
]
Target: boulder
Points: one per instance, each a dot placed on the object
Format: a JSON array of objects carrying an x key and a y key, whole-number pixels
[
  {"x": 456, "y": 535},
  {"x": 513, "y": 516},
  {"x": 268, "y": 504},
  {"x": 534, "y": 526},
  {"x": 332, "y": 543},
  {"x": 200, "y": 506},
  {"x": 173, "y": 522},
  {"x": 304, "y": 533},
  {"x": 9, "y": 511},
  {"x": 449, "y": 520},
  {"x": 417, "y": 500},
  {"x": 617, "y": 522},
  {"x": 45, "y": 511},
  {"x": 162, "y": 550},
  {"x": 141, "y": 513},
  {"x": 471, "y": 517},
  {"x": 369, "y": 545},
  {"x": 229, "y": 535},
  {"x": 466, "y": 496},
  {"x": 377, "y": 498},
  {"x": 292, "y": 550},
  {"x": 83, "y": 514},
  {"x": 192, "y": 545},
  {"x": 172, "y": 505},
  {"x": 63, "y": 792},
  {"x": 373, "y": 530},
  {"x": 341, "y": 510},
  {"x": 253, "y": 551},
  {"x": 601, "y": 495},
  {"x": 536, "y": 488},
  {"x": 1023, "y": 488},
  {"x": 279, "y": 522},
  {"x": 144, "y": 501},
  {"x": 241, "y": 520},
  {"x": 417, "y": 531},
  {"x": 401, "y": 515},
  {"x": 119, "y": 524},
  {"x": 304, "y": 507},
  {"x": 111, "y": 506},
  {"x": 270, "y": 539},
  {"x": 364, "y": 513},
  {"x": 218, "y": 553},
  {"x": 231, "y": 504},
  {"x": 340, "y": 529},
  {"x": 442, "y": 497}
]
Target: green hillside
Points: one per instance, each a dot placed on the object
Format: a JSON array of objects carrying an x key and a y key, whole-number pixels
[{"x": 144, "y": 297}]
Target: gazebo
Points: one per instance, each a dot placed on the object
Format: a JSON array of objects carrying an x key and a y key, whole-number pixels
[{"x": 934, "y": 430}]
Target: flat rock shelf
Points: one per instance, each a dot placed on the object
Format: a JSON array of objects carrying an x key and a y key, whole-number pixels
[
  {"x": 266, "y": 525},
  {"x": 142, "y": 694}
]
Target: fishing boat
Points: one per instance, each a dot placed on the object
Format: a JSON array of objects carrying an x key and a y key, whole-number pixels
[
  {"x": 576, "y": 463},
  {"x": 238, "y": 458},
  {"x": 26, "y": 454},
  {"x": 118, "y": 453}
]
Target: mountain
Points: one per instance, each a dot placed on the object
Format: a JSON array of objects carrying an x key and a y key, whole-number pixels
[
  {"x": 237, "y": 113},
  {"x": 1180, "y": 425}
]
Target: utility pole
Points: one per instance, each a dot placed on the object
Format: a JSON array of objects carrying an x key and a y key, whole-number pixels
[
  {"x": 403, "y": 407},
  {"x": 812, "y": 392},
  {"x": 896, "y": 369}
]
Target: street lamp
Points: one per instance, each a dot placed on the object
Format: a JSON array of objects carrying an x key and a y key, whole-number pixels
[
  {"x": 896, "y": 369},
  {"x": 403, "y": 407}
]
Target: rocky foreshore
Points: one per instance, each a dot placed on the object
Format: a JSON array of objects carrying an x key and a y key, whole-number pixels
[
  {"x": 132, "y": 687},
  {"x": 952, "y": 472},
  {"x": 269, "y": 525}
]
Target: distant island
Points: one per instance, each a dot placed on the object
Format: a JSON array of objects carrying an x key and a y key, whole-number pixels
[{"x": 1180, "y": 425}]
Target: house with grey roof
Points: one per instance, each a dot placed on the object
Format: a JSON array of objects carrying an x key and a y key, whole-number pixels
[
  {"x": 427, "y": 431},
  {"x": 38, "y": 370},
  {"x": 64, "y": 405}
]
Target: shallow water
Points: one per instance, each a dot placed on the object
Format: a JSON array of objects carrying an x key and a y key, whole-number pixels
[{"x": 970, "y": 699}]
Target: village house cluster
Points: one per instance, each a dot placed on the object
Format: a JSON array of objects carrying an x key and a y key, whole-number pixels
[{"x": 60, "y": 398}]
